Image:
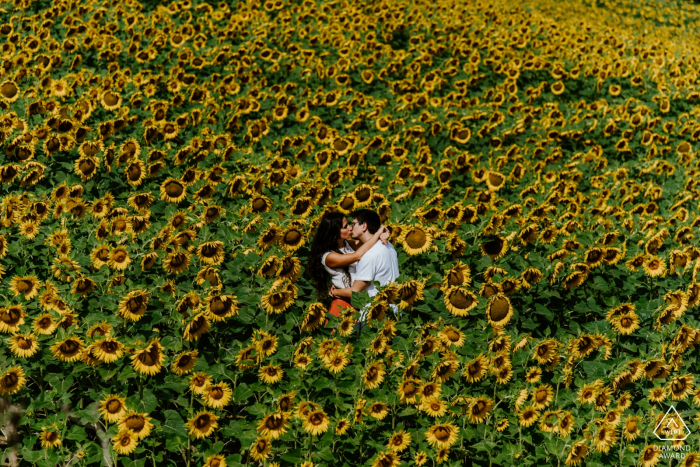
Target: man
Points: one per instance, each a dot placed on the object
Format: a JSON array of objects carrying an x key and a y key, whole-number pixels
[{"x": 379, "y": 264}]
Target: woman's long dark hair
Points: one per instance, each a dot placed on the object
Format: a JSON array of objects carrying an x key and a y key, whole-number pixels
[{"x": 326, "y": 240}]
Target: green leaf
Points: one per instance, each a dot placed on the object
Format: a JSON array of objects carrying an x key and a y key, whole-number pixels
[{"x": 174, "y": 424}]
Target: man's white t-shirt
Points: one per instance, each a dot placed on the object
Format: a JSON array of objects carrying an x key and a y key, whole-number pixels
[{"x": 380, "y": 263}]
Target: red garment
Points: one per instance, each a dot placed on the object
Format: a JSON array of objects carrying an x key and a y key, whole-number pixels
[{"x": 339, "y": 305}]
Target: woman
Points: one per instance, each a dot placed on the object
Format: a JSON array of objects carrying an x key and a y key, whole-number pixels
[{"x": 334, "y": 254}]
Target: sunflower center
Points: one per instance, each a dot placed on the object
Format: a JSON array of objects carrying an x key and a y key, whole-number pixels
[
  {"x": 442, "y": 433},
  {"x": 134, "y": 304},
  {"x": 499, "y": 309},
  {"x": 110, "y": 347},
  {"x": 274, "y": 423},
  {"x": 493, "y": 247},
  {"x": 69, "y": 347},
  {"x": 114, "y": 406},
  {"x": 9, "y": 90},
  {"x": 416, "y": 238},
  {"x": 459, "y": 299},
  {"x": 125, "y": 440},
  {"x": 9, "y": 380},
  {"x": 455, "y": 277},
  {"x": 174, "y": 189},
  {"x": 110, "y": 98},
  {"x": 135, "y": 423},
  {"x": 203, "y": 422},
  {"x": 134, "y": 172},
  {"x": 149, "y": 358},
  {"x": 261, "y": 446},
  {"x": 278, "y": 298},
  {"x": 292, "y": 237},
  {"x": 259, "y": 205}
]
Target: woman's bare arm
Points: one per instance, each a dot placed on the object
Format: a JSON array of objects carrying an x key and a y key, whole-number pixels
[{"x": 338, "y": 260}]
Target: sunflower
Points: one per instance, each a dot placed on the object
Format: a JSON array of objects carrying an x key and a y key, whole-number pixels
[
  {"x": 29, "y": 229},
  {"x": 110, "y": 100},
  {"x": 133, "y": 305},
  {"x": 316, "y": 422},
  {"x": 374, "y": 375},
  {"x": 107, "y": 350},
  {"x": 442, "y": 435},
  {"x": 274, "y": 425},
  {"x": 458, "y": 275},
  {"x": 655, "y": 267},
  {"x": 399, "y": 441},
  {"x": 280, "y": 297},
  {"x": 137, "y": 423},
  {"x": 650, "y": 456},
  {"x": 542, "y": 397},
  {"x": 27, "y": 286},
  {"x": 199, "y": 382},
  {"x": 479, "y": 409},
  {"x": 50, "y": 437},
  {"x": 416, "y": 240},
  {"x": 12, "y": 380},
  {"x": 604, "y": 439},
  {"x": 260, "y": 204},
  {"x": 112, "y": 408},
  {"x": 528, "y": 416},
  {"x": 24, "y": 345},
  {"x": 533, "y": 375},
  {"x": 459, "y": 301},
  {"x": 68, "y": 350},
  {"x": 576, "y": 454},
  {"x": 135, "y": 172},
  {"x": 420, "y": 458},
  {"x": 387, "y": 459},
  {"x": 476, "y": 369},
  {"x": 11, "y": 319},
  {"x": 409, "y": 389},
  {"x": 83, "y": 286},
  {"x": 261, "y": 449},
  {"x": 202, "y": 424},
  {"x": 342, "y": 426},
  {"x": 378, "y": 410},
  {"x": 42, "y": 324},
  {"x": 681, "y": 387},
  {"x": 450, "y": 335},
  {"x": 270, "y": 374},
  {"x": 119, "y": 258},
  {"x": 289, "y": 269},
  {"x": 211, "y": 253},
  {"x": 100, "y": 256},
  {"x": 125, "y": 442},
  {"x": 626, "y": 324},
  {"x": 173, "y": 190},
  {"x": 410, "y": 292},
  {"x": 221, "y": 307},
  {"x": 433, "y": 407},
  {"x": 184, "y": 363},
  {"x": 291, "y": 239},
  {"x": 499, "y": 310},
  {"x": 177, "y": 261},
  {"x": 197, "y": 327},
  {"x": 149, "y": 360},
  {"x": 215, "y": 460}
]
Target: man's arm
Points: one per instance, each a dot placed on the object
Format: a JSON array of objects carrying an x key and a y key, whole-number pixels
[{"x": 357, "y": 286}]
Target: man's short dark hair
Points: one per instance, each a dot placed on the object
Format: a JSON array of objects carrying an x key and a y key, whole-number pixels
[{"x": 369, "y": 217}]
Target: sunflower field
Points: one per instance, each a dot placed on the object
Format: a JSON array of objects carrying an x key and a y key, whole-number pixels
[{"x": 164, "y": 165}]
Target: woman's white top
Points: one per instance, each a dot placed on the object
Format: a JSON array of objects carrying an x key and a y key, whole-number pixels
[{"x": 338, "y": 273}]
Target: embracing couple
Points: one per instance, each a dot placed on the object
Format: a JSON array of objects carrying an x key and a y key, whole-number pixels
[{"x": 351, "y": 254}]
